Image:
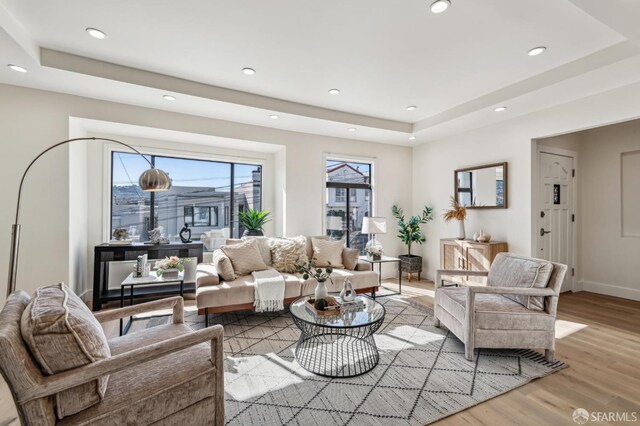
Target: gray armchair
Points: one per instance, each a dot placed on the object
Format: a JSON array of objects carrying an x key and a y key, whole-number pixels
[
  {"x": 164, "y": 375},
  {"x": 516, "y": 309}
]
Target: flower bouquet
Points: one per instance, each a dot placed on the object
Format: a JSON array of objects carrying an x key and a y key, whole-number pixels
[
  {"x": 169, "y": 267},
  {"x": 374, "y": 252}
]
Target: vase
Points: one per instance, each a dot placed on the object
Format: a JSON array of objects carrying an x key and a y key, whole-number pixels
[
  {"x": 321, "y": 290},
  {"x": 347, "y": 294},
  {"x": 170, "y": 273},
  {"x": 461, "y": 234}
]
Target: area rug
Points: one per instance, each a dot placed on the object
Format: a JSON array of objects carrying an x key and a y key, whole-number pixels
[{"x": 422, "y": 375}]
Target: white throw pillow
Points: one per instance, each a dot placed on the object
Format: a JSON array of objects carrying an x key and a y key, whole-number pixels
[
  {"x": 327, "y": 252},
  {"x": 245, "y": 257},
  {"x": 286, "y": 253}
]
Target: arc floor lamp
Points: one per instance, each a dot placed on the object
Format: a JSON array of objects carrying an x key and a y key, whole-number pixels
[{"x": 151, "y": 180}]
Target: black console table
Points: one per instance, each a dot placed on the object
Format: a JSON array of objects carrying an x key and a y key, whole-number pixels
[{"x": 105, "y": 253}]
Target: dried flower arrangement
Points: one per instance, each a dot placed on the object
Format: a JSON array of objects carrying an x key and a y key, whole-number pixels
[{"x": 455, "y": 212}]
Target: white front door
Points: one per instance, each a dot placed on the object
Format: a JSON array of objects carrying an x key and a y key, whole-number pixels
[{"x": 555, "y": 212}]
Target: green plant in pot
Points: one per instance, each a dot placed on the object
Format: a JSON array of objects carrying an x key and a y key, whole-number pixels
[
  {"x": 252, "y": 221},
  {"x": 410, "y": 232}
]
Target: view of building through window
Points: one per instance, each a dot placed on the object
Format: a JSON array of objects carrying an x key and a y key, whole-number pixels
[
  {"x": 348, "y": 201},
  {"x": 201, "y": 195}
]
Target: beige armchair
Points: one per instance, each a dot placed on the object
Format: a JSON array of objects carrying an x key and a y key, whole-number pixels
[
  {"x": 516, "y": 309},
  {"x": 164, "y": 375}
]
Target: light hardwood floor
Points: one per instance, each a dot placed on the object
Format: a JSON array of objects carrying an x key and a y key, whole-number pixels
[{"x": 598, "y": 336}]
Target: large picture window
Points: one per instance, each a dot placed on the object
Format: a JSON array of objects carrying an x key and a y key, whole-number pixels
[
  {"x": 348, "y": 201},
  {"x": 202, "y": 191}
]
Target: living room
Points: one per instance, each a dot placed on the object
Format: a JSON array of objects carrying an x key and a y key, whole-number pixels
[{"x": 327, "y": 122}]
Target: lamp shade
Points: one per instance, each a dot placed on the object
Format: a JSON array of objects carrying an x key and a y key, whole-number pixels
[
  {"x": 374, "y": 225},
  {"x": 154, "y": 180}
]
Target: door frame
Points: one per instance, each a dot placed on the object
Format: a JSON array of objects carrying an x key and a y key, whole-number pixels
[{"x": 536, "y": 205}]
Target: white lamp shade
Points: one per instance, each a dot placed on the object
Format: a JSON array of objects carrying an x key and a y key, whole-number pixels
[
  {"x": 374, "y": 225},
  {"x": 334, "y": 223}
]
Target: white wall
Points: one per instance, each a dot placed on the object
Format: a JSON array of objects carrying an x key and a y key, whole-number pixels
[
  {"x": 31, "y": 120},
  {"x": 511, "y": 141}
]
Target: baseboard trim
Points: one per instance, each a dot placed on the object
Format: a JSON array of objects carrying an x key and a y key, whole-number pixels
[{"x": 610, "y": 290}]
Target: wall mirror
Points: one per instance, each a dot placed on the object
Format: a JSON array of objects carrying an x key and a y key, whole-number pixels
[{"x": 482, "y": 187}]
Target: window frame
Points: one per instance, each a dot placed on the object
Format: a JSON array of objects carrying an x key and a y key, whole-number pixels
[{"x": 229, "y": 222}]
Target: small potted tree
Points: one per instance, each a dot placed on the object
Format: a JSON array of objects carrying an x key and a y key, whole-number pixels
[
  {"x": 409, "y": 232},
  {"x": 252, "y": 222}
]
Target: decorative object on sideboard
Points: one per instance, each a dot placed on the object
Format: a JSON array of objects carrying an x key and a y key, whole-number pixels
[
  {"x": 348, "y": 294},
  {"x": 142, "y": 267},
  {"x": 151, "y": 180},
  {"x": 482, "y": 237},
  {"x": 120, "y": 234},
  {"x": 185, "y": 234},
  {"x": 169, "y": 267},
  {"x": 252, "y": 222},
  {"x": 321, "y": 275},
  {"x": 482, "y": 187},
  {"x": 456, "y": 212},
  {"x": 374, "y": 226},
  {"x": 409, "y": 232},
  {"x": 156, "y": 237}
]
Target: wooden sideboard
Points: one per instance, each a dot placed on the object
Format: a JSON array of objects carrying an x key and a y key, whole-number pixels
[
  {"x": 105, "y": 253},
  {"x": 469, "y": 255}
]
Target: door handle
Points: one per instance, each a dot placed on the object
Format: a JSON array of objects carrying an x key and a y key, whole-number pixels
[{"x": 542, "y": 232}]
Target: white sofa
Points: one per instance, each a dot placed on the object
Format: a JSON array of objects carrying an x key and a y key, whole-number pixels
[{"x": 214, "y": 295}]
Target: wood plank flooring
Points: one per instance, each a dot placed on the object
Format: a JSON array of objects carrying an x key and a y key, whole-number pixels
[{"x": 597, "y": 335}]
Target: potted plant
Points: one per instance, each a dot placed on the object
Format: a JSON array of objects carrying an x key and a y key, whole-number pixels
[
  {"x": 169, "y": 267},
  {"x": 321, "y": 275},
  {"x": 409, "y": 232},
  {"x": 456, "y": 212},
  {"x": 252, "y": 221}
]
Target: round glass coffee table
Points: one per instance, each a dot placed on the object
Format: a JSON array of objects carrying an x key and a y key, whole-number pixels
[{"x": 340, "y": 345}]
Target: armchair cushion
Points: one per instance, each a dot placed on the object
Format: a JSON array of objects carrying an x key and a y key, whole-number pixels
[
  {"x": 62, "y": 334},
  {"x": 152, "y": 392},
  {"x": 510, "y": 270}
]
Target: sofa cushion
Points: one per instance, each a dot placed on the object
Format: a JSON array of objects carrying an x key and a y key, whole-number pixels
[
  {"x": 240, "y": 291},
  {"x": 492, "y": 311},
  {"x": 263, "y": 246},
  {"x": 510, "y": 270},
  {"x": 206, "y": 274},
  {"x": 286, "y": 253},
  {"x": 350, "y": 258},
  {"x": 223, "y": 265},
  {"x": 151, "y": 392},
  {"x": 62, "y": 334},
  {"x": 245, "y": 257},
  {"x": 327, "y": 252}
]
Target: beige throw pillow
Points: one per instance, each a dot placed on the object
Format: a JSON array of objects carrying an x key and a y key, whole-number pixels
[
  {"x": 245, "y": 257},
  {"x": 286, "y": 253},
  {"x": 263, "y": 246},
  {"x": 350, "y": 258},
  {"x": 223, "y": 265},
  {"x": 62, "y": 334},
  {"x": 327, "y": 252}
]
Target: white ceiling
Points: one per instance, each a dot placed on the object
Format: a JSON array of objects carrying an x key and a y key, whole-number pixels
[{"x": 383, "y": 55}]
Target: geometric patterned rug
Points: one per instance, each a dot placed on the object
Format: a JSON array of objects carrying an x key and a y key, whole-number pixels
[{"x": 422, "y": 375}]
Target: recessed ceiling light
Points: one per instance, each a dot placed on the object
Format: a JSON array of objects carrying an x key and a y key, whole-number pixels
[
  {"x": 440, "y": 6},
  {"x": 411, "y": 107},
  {"x": 334, "y": 91},
  {"x": 168, "y": 98},
  {"x": 537, "y": 50},
  {"x": 95, "y": 33},
  {"x": 17, "y": 68},
  {"x": 248, "y": 71},
  {"x": 274, "y": 117},
  {"x": 412, "y": 138},
  {"x": 500, "y": 109},
  {"x": 352, "y": 129}
]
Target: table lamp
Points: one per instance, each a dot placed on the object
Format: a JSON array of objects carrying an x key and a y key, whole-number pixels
[{"x": 374, "y": 226}]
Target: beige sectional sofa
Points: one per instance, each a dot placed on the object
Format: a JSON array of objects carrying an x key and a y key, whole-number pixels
[{"x": 214, "y": 295}]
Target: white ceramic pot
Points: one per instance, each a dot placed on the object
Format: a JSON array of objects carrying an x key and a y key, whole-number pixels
[
  {"x": 321, "y": 291},
  {"x": 461, "y": 233}
]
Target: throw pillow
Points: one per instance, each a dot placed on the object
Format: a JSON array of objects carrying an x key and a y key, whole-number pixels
[
  {"x": 350, "y": 258},
  {"x": 223, "y": 265},
  {"x": 509, "y": 270},
  {"x": 263, "y": 246},
  {"x": 327, "y": 252},
  {"x": 62, "y": 334},
  {"x": 245, "y": 257},
  {"x": 286, "y": 253},
  {"x": 309, "y": 250}
]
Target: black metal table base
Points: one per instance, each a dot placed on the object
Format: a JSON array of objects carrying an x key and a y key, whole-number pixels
[{"x": 337, "y": 351}]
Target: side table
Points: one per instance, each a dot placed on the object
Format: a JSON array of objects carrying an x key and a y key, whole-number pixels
[
  {"x": 385, "y": 259},
  {"x": 152, "y": 279}
]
